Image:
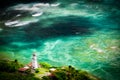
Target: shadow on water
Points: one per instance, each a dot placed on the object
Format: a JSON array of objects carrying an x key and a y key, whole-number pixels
[
  {"x": 35, "y": 32},
  {"x": 65, "y": 26}
]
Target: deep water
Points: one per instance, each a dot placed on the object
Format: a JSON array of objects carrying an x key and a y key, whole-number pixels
[{"x": 82, "y": 34}]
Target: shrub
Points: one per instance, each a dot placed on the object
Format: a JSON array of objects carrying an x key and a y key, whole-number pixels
[
  {"x": 36, "y": 70},
  {"x": 9, "y": 66},
  {"x": 45, "y": 65}
]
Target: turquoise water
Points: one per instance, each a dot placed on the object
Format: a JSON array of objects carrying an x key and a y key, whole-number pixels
[{"x": 85, "y": 36}]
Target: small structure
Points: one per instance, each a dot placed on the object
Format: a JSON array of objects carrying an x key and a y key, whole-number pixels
[
  {"x": 23, "y": 69},
  {"x": 52, "y": 69},
  {"x": 34, "y": 62}
]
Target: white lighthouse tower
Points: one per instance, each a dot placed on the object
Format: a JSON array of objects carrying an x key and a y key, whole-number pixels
[{"x": 34, "y": 61}]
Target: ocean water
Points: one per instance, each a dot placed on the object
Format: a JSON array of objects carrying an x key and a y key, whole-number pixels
[{"x": 84, "y": 35}]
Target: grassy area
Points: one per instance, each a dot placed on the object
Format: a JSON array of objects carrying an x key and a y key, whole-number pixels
[{"x": 40, "y": 72}]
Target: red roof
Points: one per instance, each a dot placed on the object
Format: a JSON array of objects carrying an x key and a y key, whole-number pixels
[{"x": 22, "y": 69}]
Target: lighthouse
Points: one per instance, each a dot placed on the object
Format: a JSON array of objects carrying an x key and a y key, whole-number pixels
[{"x": 34, "y": 61}]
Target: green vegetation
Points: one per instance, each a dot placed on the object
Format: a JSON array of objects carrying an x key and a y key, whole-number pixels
[
  {"x": 9, "y": 71},
  {"x": 36, "y": 70},
  {"x": 9, "y": 66},
  {"x": 16, "y": 76},
  {"x": 45, "y": 65},
  {"x": 42, "y": 70},
  {"x": 69, "y": 73}
]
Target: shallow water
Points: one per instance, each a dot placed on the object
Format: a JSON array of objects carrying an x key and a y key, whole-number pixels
[{"x": 85, "y": 36}]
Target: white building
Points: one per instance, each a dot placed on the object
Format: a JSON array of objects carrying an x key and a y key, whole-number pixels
[{"x": 34, "y": 61}]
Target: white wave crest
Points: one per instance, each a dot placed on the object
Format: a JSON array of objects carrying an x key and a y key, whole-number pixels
[{"x": 37, "y": 14}]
